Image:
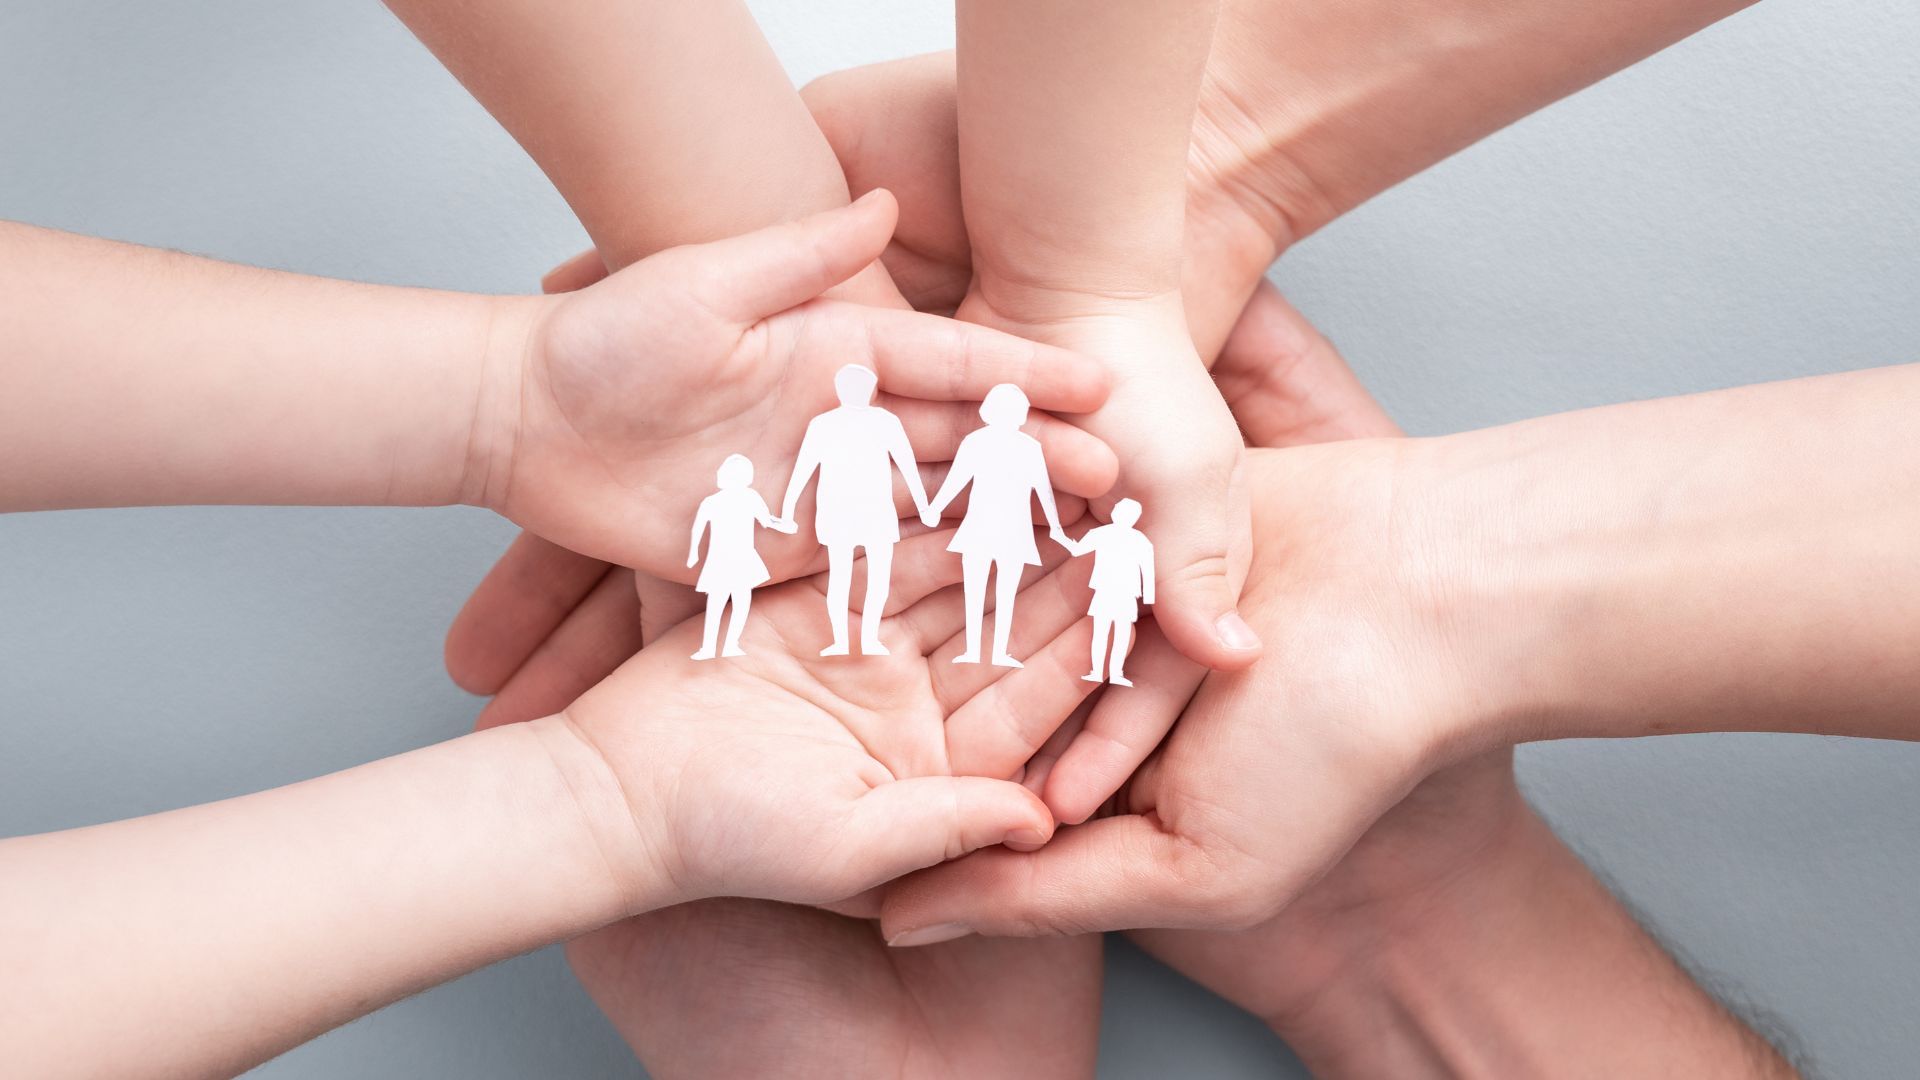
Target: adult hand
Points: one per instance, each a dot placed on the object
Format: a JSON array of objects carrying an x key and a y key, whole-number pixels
[
  {"x": 754, "y": 988},
  {"x": 1272, "y": 773}
]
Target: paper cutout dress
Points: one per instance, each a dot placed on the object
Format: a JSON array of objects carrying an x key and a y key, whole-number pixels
[
  {"x": 733, "y": 568},
  {"x": 1006, "y": 470}
]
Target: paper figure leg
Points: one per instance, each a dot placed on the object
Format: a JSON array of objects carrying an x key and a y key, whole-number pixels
[
  {"x": 1122, "y": 641},
  {"x": 973, "y": 576},
  {"x": 879, "y": 580},
  {"x": 710, "y": 633},
  {"x": 1102, "y": 630},
  {"x": 742, "y": 603},
  {"x": 1006, "y": 591},
  {"x": 839, "y": 591}
]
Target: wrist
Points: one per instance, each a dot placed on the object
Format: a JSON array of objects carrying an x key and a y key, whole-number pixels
[
  {"x": 610, "y": 849},
  {"x": 1485, "y": 518},
  {"x": 493, "y": 401}
]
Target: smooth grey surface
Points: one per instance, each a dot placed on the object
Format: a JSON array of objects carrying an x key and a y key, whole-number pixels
[{"x": 1739, "y": 208}]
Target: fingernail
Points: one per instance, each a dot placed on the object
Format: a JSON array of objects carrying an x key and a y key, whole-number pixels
[
  {"x": 928, "y": 935},
  {"x": 1235, "y": 632},
  {"x": 1025, "y": 839},
  {"x": 867, "y": 198}
]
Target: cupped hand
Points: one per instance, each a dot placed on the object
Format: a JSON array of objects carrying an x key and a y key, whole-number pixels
[
  {"x": 781, "y": 775},
  {"x": 736, "y": 987},
  {"x": 1273, "y": 773},
  {"x": 611, "y": 408}
]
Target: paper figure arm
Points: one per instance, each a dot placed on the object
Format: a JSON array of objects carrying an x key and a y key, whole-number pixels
[
  {"x": 765, "y": 516},
  {"x": 901, "y": 450},
  {"x": 805, "y": 464},
  {"x": 1146, "y": 570},
  {"x": 957, "y": 479}
]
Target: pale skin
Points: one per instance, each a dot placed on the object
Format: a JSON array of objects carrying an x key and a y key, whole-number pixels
[
  {"x": 202, "y": 941},
  {"x": 1443, "y": 597},
  {"x": 1439, "y": 946},
  {"x": 251, "y": 386},
  {"x": 581, "y": 88},
  {"x": 1073, "y": 121},
  {"x": 661, "y": 124},
  {"x": 326, "y": 392},
  {"x": 1304, "y": 112}
]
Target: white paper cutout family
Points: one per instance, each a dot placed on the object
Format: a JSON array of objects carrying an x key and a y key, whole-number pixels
[{"x": 855, "y": 449}]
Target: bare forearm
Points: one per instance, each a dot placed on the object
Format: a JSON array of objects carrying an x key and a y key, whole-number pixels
[
  {"x": 1515, "y": 962},
  {"x": 1074, "y": 120},
  {"x": 134, "y": 376},
  {"x": 202, "y": 941},
  {"x": 1740, "y": 560},
  {"x": 1327, "y": 105},
  {"x": 661, "y": 123}
]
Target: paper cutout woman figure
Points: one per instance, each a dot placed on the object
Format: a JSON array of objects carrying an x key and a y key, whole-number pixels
[
  {"x": 1122, "y": 581},
  {"x": 1006, "y": 468},
  {"x": 855, "y": 448},
  {"x": 734, "y": 569}
]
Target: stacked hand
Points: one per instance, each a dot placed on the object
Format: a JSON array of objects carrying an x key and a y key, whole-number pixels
[{"x": 605, "y": 407}]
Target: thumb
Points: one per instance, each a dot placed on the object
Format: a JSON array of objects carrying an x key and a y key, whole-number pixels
[
  {"x": 908, "y": 825},
  {"x": 752, "y": 276},
  {"x": 1199, "y": 565}
]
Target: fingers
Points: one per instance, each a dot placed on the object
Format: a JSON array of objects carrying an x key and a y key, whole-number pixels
[
  {"x": 1111, "y": 874},
  {"x": 998, "y": 730},
  {"x": 904, "y": 825},
  {"x": 576, "y": 273},
  {"x": 1201, "y": 550},
  {"x": 597, "y": 637},
  {"x": 1123, "y": 729},
  {"x": 761, "y": 273},
  {"x": 940, "y": 359},
  {"x": 1287, "y": 384},
  {"x": 533, "y": 587}
]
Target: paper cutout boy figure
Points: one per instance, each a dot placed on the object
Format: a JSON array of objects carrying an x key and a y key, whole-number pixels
[
  {"x": 1122, "y": 581},
  {"x": 855, "y": 448},
  {"x": 734, "y": 569},
  {"x": 1006, "y": 469}
]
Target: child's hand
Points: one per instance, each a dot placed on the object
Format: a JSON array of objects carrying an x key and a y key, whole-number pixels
[
  {"x": 783, "y": 776},
  {"x": 608, "y": 410},
  {"x": 1179, "y": 450}
]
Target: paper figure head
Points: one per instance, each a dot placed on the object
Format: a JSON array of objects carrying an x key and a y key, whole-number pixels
[
  {"x": 1126, "y": 512},
  {"x": 854, "y": 384},
  {"x": 735, "y": 472},
  {"x": 1005, "y": 406}
]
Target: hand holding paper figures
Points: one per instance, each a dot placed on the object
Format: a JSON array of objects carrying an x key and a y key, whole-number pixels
[{"x": 731, "y": 350}]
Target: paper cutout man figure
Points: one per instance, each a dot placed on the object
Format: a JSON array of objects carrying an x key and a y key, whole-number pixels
[
  {"x": 734, "y": 569},
  {"x": 855, "y": 449},
  {"x": 1006, "y": 468},
  {"x": 1122, "y": 581}
]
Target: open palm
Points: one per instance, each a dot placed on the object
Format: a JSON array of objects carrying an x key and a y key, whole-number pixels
[
  {"x": 628, "y": 394},
  {"x": 783, "y": 775}
]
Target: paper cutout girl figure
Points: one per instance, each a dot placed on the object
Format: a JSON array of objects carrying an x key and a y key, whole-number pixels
[
  {"x": 855, "y": 448},
  {"x": 1122, "y": 581},
  {"x": 1007, "y": 470},
  {"x": 734, "y": 569}
]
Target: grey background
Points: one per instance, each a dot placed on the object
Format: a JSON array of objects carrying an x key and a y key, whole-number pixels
[{"x": 1739, "y": 208}]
